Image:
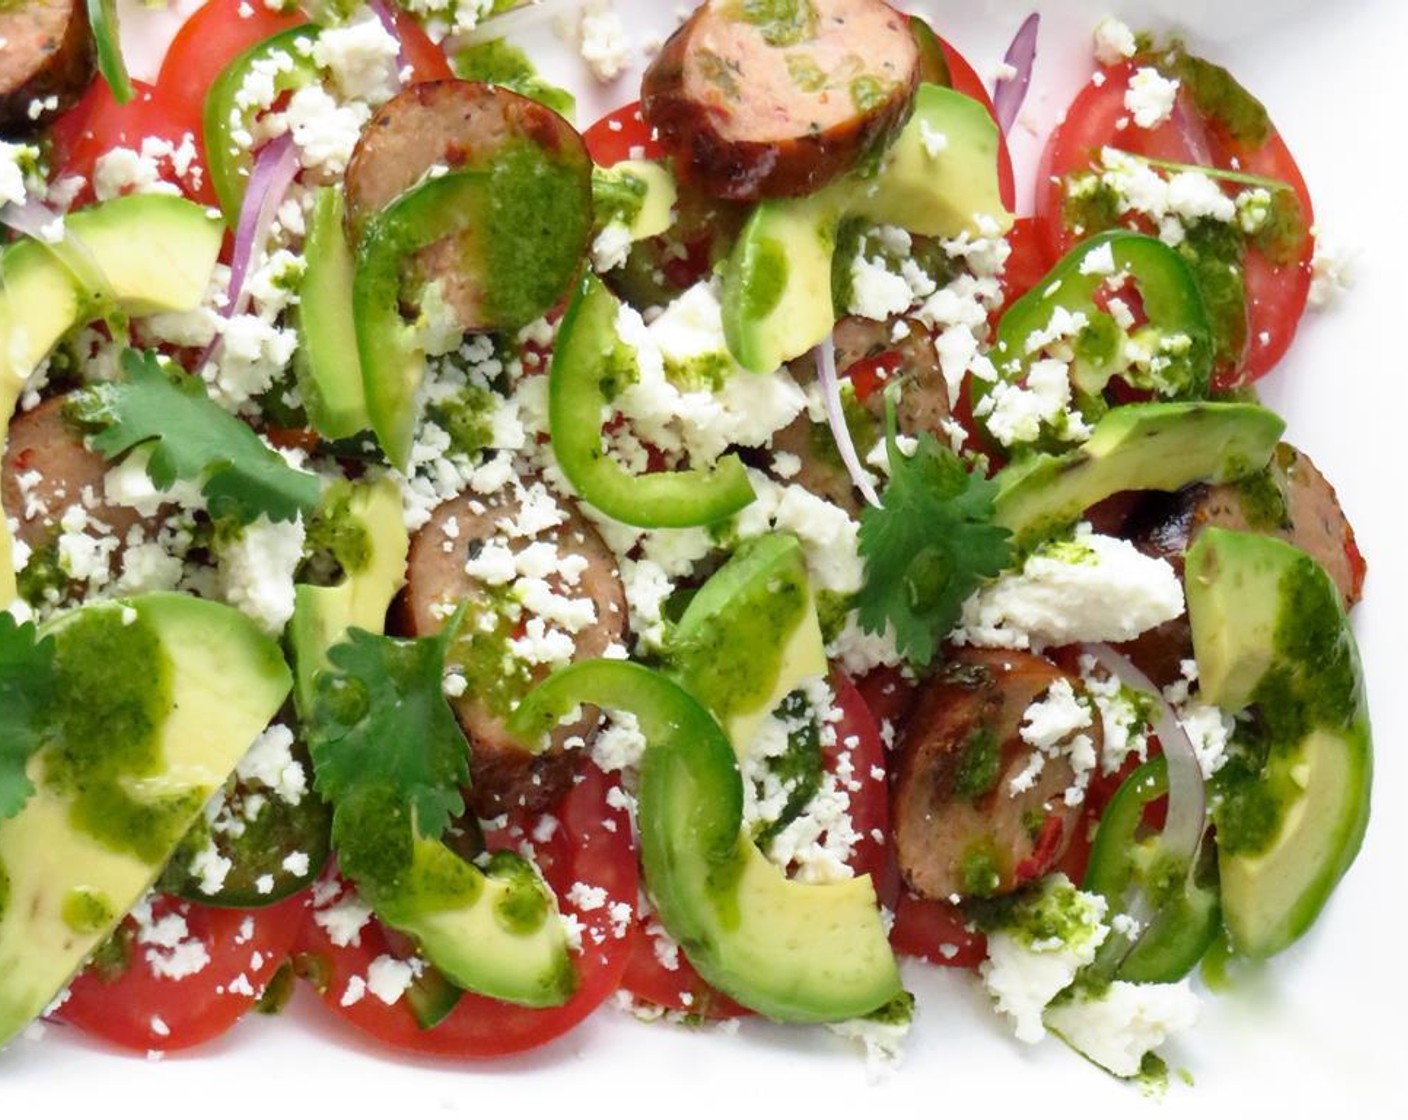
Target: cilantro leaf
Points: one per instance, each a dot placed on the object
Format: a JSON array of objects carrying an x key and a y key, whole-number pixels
[
  {"x": 193, "y": 438},
  {"x": 928, "y": 547},
  {"x": 28, "y": 684},
  {"x": 387, "y": 750}
]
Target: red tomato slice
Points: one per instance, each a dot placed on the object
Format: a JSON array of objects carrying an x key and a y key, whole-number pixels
[
  {"x": 424, "y": 56},
  {"x": 664, "y": 977},
  {"x": 622, "y": 135},
  {"x": 1027, "y": 263},
  {"x": 966, "y": 81},
  {"x": 1276, "y": 293},
  {"x": 937, "y": 932},
  {"x": 591, "y": 844},
  {"x": 141, "y": 1010},
  {"x": 214, "y": 36},
  {"x": 97, "y": 124}
]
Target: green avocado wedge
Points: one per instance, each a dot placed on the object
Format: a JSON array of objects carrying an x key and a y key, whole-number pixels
[
  {"x": 1292, "y": 801},
  {"x": 750, "y": 635},
  {"x": 159, "y": 697},
  {"x": 1163, "y": 445},
  {"x": 795, "y": 952}
]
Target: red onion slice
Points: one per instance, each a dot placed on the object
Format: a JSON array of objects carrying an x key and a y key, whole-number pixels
[
  {"x": 836, "y": 416},
  {"x": 388, "y": 23},
  {"x": 1010, "y": 91},
  {"x": 275, "y": 167},
  {"x": 1187, "y": 793}
]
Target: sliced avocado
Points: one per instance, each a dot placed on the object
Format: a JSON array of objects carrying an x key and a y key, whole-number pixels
[
  {"x": 40, "y": 300},
  {"x": 750, "y": 636},
  {"x": 938, "y": 179},
  {"x": 1271, "y": 639},
  {"x": 495, "y": 931},
  {"x": 1159, "y": 446},
  {"x": 637, "y": 192},
  {"x": 802, "y": 952},
  {"x": 327, "y": 365},
  {"x": 373, "y": 571},
  {"x": 161, "y": 695}
]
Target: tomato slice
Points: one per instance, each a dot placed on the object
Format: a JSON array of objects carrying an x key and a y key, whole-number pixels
[
  {"x": 423, "y": 55},
  {"x": 936, "y": 931},
  {"x": 590, "y": 844},
  {"x": 96, "y": 124},
  {"x": 622, "y": 135},
  {"x": 1276, "y": 292},
  {"x": 144, "y": 1010}
]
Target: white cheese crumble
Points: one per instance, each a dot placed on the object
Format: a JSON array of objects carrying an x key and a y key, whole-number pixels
[
  {"x": 1150, "y": 97},
  {"x": 1025, "y": 970},
  {"x": 256, "y": 570},
  {"x": 1093, "y": 588},
  {"x": 1114, "y": 41},
  {"x": 1124, "y": 1022}
]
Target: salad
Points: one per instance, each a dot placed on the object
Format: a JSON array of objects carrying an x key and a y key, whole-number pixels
[{"x": 688, "y": 563}]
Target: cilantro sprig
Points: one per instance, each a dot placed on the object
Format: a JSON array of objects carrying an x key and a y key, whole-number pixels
[
  {"x": 928, "y": 546},
  {"x": 387, "y": 750},
  {"x": 28, "y": 685},
  {"x": 194, "y": 439}
]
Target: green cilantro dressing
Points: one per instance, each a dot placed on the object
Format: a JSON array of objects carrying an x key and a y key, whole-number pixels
[
  {"x": 335, "y": 530},
  {"x": 482, "y": 655},
  {"x": 524, "y": 908},
  {"x": 87, "y": 911},
  {"x": 765, "y": 280},
  {"x": 99, "y": 748},
  {"x": 979, "y": 765},
  {"x": 499, "y": 63},
  {"x": 467, "y": 418},
  {"x": 528, "y": 191},
  {"x": 1312, "y": 684}
]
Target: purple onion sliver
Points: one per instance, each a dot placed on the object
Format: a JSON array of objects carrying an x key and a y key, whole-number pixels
[
  {"x": 1187, "y": 794},
  {"x": 1193, "y": 133},
  {"x": 835, "y": 415},
  {"x": 274, "y": 170},
  {"x": 388, "y": 23},
  {"x": 1009, "y": 92}
]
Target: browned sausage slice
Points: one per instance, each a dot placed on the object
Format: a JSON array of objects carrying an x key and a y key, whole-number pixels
[
  {"x": 48, "y": 470},
  {"x": 960, "y": 826},
  {"x": 454, "y": 125},
  {"x": 470, "y": 535},
  {"x": 1291, "y": 500},
  {"x": 773, "y": 100},
  {"x": 869, "y": 352},
  {"x": 45, "y": 52}
]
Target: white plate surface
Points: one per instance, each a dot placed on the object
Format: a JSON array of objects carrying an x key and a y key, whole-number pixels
[{"x": 1320, "y": 1028}]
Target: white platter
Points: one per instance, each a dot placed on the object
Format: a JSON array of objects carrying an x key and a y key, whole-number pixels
[{"x": 1318, "y": 1029}]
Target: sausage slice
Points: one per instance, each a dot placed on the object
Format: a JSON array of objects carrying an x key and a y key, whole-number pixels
[
  {"x": 45, "y": 51},
  {"x": 466, "y": 530},
  {"x": 868, "y": 352},
  {"x": 1291, "y": 500},
  {"x": 48, "y": 470},
  {"x": 774, "y": 100},
  {"x": 960, "y": 826},
  {"x": 453, "y": 125}
]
